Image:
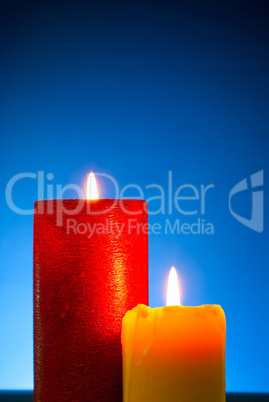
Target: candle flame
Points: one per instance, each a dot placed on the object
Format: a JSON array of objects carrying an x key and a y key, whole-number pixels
[
  {"x": 173, "y": 298},
  {"x": 91, "y": 191}
]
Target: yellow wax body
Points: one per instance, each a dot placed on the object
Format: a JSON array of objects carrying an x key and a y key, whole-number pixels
[{"x": 174, "y": 354}]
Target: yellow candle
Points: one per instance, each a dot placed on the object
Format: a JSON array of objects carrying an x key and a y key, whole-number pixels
[{"x": 174, "y": 353}]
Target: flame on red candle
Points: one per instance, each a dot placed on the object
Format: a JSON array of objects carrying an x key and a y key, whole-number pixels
[
  {"x": 173, "y": 297},
  {"x": 91, "y": 190}
]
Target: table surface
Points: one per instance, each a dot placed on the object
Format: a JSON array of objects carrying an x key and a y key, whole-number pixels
[{"x": 27, "y": 396}]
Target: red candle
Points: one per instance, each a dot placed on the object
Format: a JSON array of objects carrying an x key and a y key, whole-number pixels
[{"x": 90, "y": 268}]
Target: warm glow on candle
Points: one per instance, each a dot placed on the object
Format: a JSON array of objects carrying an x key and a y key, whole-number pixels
[
  {"x": 91, "y": 191},
  {"x": 173, "y": 298}
]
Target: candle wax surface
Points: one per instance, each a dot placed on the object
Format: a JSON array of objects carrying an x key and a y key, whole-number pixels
[
  {"x": 84, "y": 283},
  {"x": 174, "y": 354}
]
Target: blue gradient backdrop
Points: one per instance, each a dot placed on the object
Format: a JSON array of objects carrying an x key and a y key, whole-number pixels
[{"x": 135, "y": 89}]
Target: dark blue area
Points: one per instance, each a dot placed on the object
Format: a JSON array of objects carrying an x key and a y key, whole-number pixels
[
  {"x": 27, "y": 396},
  {"x": 136, "y": 90}
]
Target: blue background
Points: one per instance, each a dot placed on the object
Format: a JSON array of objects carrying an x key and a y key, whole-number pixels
[{"x": 135, "y": 89}]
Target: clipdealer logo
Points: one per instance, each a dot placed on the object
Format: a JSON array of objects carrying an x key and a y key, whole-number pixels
[
  {"x": 184, "y": 208},
  {"x": 257, "y": 202}
]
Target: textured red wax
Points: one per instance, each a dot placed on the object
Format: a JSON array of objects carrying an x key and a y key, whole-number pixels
[{"x": 84, "y": 283}]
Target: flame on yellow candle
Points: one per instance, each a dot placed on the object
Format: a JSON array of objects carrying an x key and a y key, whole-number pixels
[
  {"x": 173, "y": 298},
  {"x": 91, "y": 190}
]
